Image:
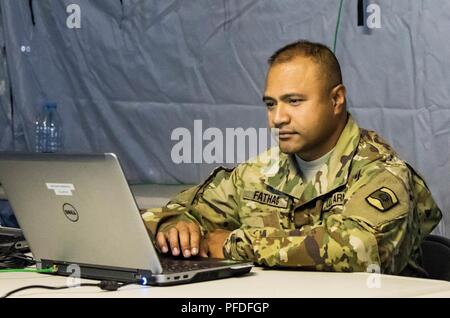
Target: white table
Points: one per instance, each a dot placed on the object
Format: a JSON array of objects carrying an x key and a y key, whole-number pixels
[{"x": 260, "y": 283}]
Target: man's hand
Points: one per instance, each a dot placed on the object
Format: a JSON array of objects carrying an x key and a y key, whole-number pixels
[
  {"x": 214, "y": 243},
  {"x": 184, "y": 236}
]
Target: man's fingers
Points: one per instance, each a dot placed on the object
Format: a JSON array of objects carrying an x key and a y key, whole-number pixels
[
  {"x": 194, "y": 238},
  {"x": 204, "y": 248},
  {"x": 183, "y": 238},
  {"x": 161, "y": 241},
  {"x": 173, "y": 241},
  {"x": 183, "y": 232}
]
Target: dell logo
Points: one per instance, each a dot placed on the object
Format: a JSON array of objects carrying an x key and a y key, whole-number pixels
[{"x": 70, "y": 212}]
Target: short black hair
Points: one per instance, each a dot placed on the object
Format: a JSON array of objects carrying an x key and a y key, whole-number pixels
[{"x": 318, "y": 52}]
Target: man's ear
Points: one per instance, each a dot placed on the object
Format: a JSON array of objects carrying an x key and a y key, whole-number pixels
[{"x": 338, "y": 98}]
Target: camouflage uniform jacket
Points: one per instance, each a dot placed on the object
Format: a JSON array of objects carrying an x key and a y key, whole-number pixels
[{"x": 365, "y": 210}]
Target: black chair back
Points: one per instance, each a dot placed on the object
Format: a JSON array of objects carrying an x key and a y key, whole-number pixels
[{"x": 436, "y": 257}]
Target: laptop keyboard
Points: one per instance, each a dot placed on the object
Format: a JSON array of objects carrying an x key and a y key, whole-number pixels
[{"x": 171, "y": 265}]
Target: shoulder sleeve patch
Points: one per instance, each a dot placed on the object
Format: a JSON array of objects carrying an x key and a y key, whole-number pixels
[{"x": 382, "y": 199}]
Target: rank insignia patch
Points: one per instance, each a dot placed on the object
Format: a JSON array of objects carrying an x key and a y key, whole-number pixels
[{"x": 383, "y": 199}]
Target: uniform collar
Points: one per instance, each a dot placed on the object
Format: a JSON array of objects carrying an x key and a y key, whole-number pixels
[{"x": 283, "y": 175}]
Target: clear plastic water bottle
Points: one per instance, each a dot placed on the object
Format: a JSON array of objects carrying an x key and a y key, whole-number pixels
[{"x": 49, "y": 133}]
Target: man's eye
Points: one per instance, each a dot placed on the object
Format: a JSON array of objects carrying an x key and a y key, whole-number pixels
[
  {"x": 270, "y": 104},
  {"x": 295, "y": 101}
]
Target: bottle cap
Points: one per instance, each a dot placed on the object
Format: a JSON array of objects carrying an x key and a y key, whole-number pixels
[{"x": 50, "y": 105}]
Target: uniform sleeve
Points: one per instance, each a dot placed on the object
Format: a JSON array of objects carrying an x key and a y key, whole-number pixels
[
  {"x": 367, "y": 234},
  {"x": 211, "y": 205}
]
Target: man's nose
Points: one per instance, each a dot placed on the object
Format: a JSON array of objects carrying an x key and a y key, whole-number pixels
[{"x": 280, "y": 115}]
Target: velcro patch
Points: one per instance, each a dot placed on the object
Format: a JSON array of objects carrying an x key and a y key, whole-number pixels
[
  {"x": 382, "y": 199},
  {"x": 336, "y": 199},
  {"x": 267, "y": 198}
]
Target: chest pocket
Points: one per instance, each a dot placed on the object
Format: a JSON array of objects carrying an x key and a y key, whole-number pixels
[
  {"x": 308, "y": 214},
  {"x": 265, "y": 209}
]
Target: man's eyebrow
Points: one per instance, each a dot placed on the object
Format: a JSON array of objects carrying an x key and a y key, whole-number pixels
[
  {"x": 268, "y": 98},
  {"x": 292, "y": 95}
]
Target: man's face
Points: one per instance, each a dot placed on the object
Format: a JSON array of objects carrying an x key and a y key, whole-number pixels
[{"x": 300, "y": 105}]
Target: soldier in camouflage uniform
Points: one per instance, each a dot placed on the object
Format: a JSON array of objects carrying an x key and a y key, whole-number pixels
[{"x": 364, "y": 209}]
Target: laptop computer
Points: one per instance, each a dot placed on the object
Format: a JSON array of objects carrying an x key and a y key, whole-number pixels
[{"x": 78, "y": 214}]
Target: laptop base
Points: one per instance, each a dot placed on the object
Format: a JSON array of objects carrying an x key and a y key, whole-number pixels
[{"x": 141, "y": 277}]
